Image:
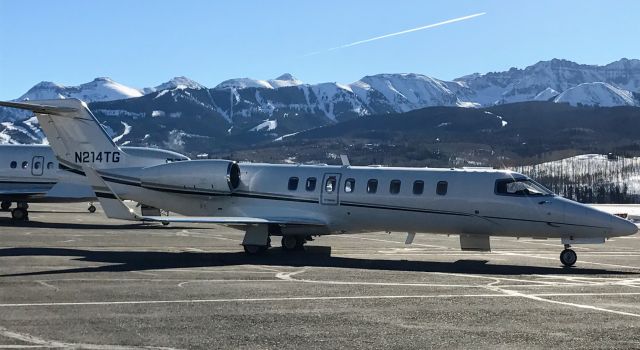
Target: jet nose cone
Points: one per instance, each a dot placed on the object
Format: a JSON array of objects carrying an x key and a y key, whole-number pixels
[{"x": 622, "y": 227}]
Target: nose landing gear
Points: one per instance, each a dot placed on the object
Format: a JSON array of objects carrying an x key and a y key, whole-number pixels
[{"x": 568, "y": 257}]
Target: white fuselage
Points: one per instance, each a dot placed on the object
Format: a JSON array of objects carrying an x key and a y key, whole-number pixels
[{"x": 469, "y": 205}]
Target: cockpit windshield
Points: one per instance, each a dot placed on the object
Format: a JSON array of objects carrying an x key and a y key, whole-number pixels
[{"x": 521, "y": 187}]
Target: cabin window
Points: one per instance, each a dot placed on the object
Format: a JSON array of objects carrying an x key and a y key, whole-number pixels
[
  {"x": 372, "y": 186},
  {"x": 349, "y": 185},
  {"x": 441, "y": 188},
  {"x": 418, "y": 187},
  {"x": 14, "y": 164},
  {"x": 521, "y": 187},
  {"x": 311, "y": 184},
  {"x": 330, "y": 185},
  {"x": 50, "y": 165},
  {"x": 36, "y": 165},
  {"x": 25, "y": 164},
  {"x": 394, "y": 186},
  {"x": 293, "y": 183}
]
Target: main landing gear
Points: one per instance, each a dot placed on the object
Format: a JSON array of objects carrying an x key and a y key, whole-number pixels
[
  {"x": 5, "y": 205},
  {"x": 293, "y": 243},
  {"x": 20, "y": 212},
  {"x": 568, "y": 257},
  {"x": 257, "y": 239},
  {"x": 92, "y": 208}
]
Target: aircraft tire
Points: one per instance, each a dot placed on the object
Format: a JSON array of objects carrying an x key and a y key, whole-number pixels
[
  {"x": 292, "y": 243},
  {"x": 19, "y": 214},
  {"x": 22, "y": 205},
  {"x": 5, "y": 205},
  {"x": 92, "y": 209},
  {"x": 254, "y": 249},
  {"x": 568, "y": 257}
]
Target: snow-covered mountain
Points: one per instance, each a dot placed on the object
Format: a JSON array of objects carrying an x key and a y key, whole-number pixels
[
  {"x": 284, "y": 80},
  {"x": 100, "y": 89},
  {"x": 517, "y": 85},
  {"x": 181, "y": 82},
  {"x": 597, "y": 94},
  {"x": 241, "y": 106}
]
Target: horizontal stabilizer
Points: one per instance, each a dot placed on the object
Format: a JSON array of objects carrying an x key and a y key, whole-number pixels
[{"x": 39, "y": 108}]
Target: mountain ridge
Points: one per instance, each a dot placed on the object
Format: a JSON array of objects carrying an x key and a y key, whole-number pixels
[{"x": 185, "y": 114}]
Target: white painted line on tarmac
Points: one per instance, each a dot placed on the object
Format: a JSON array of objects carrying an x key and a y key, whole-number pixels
[
  {"x": 50, "y": 344},
  {"x": 579, "y": 261},
  {"x": 182, "y": 284},
  {"x": 581, "y": 306},
  {"x": 309, "y": 298}
]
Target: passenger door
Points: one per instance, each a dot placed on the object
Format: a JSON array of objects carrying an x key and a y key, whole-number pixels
[
  {"x": 329, "y": 193},
  {"x": 37, "y": 166}
]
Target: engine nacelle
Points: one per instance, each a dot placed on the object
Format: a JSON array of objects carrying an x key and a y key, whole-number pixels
[{"x": 219, "y": 176}]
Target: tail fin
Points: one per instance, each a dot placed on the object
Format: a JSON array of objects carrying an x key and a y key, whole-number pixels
[{"x": 75, "y": 135}]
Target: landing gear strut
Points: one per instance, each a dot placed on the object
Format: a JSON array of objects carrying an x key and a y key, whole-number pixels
[
  {"x": 92, "y": 208},
  {"x": 292, "y": 243},
  {"x": 256, "y": 239},
  {"x": 568, "y": 257}
]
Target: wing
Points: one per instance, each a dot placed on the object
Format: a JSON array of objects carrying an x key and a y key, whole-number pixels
[{"x": 114, "y": 208}]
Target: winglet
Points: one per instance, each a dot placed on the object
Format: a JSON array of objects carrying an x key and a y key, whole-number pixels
[{"x": 112, "y": 205}]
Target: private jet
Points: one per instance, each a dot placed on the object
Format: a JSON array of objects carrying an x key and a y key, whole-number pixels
[
  {"x": 32, "y": 174},
  {"x": 297, "y": 202}
]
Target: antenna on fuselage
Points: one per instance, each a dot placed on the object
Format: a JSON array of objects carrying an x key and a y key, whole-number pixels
[{"x": 345, "y": 160}]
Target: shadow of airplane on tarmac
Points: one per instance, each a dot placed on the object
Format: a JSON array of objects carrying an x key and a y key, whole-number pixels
[{"x": 314, "y": 256}]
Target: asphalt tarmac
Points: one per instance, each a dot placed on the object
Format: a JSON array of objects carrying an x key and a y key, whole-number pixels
[{"x": 70, "y": 279}]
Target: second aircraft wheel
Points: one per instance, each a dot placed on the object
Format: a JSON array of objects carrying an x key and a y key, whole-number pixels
[
  {"x": 254, "y": 249},
  {"x": 19, "y": 214},
  {"x": 291, "y": 243},
  {"x": 568, "y": 257},
  {"x": 5, "y": 205}
]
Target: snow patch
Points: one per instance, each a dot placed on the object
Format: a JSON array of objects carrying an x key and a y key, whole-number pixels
[
  {"x": 127, "y": 130},
  {"x": 266, "y": 125}
]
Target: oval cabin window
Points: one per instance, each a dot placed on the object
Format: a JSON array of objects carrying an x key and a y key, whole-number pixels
[
  {"x": 293, "y": 183},
  {"x": 418, "y": 187},
  {"x": 441, "y": 188},
  {"x": 311, "y": 184},
  {"x": 349, "y": 185},
  {"x": 372, "y": 186},
  {"x": 394, "y": 186}
]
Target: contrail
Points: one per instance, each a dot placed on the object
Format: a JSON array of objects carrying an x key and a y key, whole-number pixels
[{"x": 453, "y": 20}]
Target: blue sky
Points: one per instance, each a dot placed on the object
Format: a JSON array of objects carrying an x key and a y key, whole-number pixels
[{"x": 144, "y": 43}]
